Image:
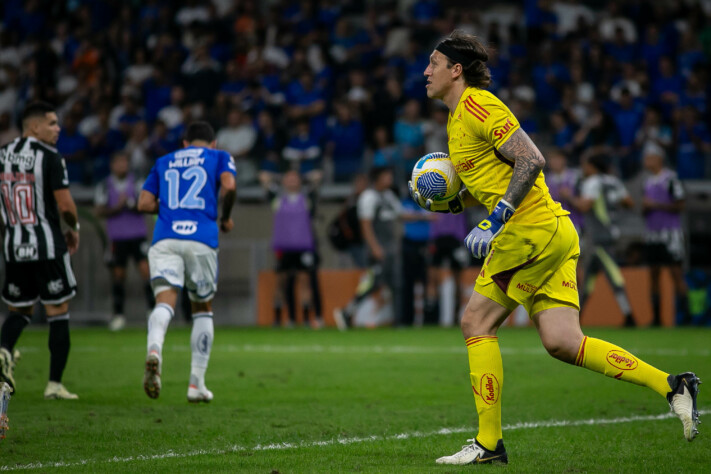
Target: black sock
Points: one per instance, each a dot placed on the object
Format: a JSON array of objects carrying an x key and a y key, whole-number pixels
[
  {"x": 150, "y": 299},
  {"x": 305, "y": 310},
  {"x": 277, "y": 314},
  {"x": 58, "y": 346},
  {"x": 291, "y": 297},
  {"x": 12, "y": 328},
  {"x": 656, "y": 310},
  {"x": 118, "y": 290}
]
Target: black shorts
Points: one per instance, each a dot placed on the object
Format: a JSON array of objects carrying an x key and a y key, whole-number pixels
[
  {"x": 49, "y": 281},
  {"x": 449, "y": 249},
  {"x": 290, "y": 261},
  {"x": 665, "y": 247},
  {"x": 122, "y": 250}
]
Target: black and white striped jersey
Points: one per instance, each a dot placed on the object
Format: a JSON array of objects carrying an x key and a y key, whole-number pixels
[{"x": 30, "y": 172}]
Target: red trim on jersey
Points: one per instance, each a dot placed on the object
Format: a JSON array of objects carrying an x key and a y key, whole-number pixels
[
  {"x": 474, "y": 113},
  {"x": 478, "y": 107}
]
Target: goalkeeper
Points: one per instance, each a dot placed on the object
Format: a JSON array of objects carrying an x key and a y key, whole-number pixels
[{"x": 531, "y": 250}]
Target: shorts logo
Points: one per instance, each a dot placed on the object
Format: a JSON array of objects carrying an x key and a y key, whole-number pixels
[
  {"x": 489, "y": 389},
  {"x": 55, "y": 286},
  {"x": 527, "y": 287},
  {"x": 13, "y": 290},
  {"x": 185, "y": 227},
  {"x": 570, "y": 284},
  {"x": 621, "y": 360},
  {"x": 26, "y": 252},
  {"x": 168, "y": 272}
]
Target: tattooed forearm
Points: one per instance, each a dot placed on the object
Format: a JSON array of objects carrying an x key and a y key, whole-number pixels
[{"x": 528, "y": 163}]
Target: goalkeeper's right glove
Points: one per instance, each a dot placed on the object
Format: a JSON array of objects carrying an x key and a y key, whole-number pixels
[{"x": 453, "y": 206}]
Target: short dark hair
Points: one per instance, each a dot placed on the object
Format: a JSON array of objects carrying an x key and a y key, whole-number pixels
[
  {"x": 37, "y": 109},
  {"x": 376, "y": 171},
  {"x": 201, "y": 131},
  {"x": 600, "y": 162},
  {"x": 475, "y": 72}
]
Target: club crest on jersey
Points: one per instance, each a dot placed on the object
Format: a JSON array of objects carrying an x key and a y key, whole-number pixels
[
  {"x": 26, "y": 252},
  {"x": 185, "y": 227},
  {"x": 621, "y": 360}
]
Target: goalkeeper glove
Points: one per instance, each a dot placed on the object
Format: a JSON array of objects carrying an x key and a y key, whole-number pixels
[
  {"x": 454, "y": 205},
  {"x": 479, "y": 239}
]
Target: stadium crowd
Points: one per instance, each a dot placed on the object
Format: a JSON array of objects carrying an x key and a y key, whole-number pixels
[{"x": 338, "y": 86}]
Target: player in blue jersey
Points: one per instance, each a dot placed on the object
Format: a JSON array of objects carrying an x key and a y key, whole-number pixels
[{"x": 183, "y": 189}]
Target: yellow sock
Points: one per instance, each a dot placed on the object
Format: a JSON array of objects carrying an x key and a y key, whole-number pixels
[
  {"x": 487, "y": 377},
  {"x": 615, "y": 362}
]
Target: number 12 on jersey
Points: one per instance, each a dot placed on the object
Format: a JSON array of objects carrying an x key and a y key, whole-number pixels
[{"x": 196, "y": 178}]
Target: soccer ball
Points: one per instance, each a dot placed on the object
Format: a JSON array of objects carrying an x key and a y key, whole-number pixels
[{"x": 435, "y": 178}]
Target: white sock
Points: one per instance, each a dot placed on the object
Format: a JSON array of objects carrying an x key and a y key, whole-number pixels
[
  {"x": 157, "y": 327},
  {"x": 200, "y": 344}
]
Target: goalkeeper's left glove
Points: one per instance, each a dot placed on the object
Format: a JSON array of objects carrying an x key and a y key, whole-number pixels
[
  {"x": 479, "y": 239},
  {"x": 454, "y": 205}
]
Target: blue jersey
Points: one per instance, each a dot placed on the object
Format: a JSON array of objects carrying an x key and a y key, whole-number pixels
[{"x": 187, "y": 183}]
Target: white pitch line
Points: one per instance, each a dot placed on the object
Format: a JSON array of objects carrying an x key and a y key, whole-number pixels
[
  {"x": 523, "y": 425},
  {"x": 340, "y": 349}
]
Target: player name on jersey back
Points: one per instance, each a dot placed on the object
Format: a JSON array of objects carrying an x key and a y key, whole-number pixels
[{"x": 187, "y": 183}]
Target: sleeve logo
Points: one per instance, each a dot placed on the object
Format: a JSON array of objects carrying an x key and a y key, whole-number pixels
[{"x": 500, "y": 132}]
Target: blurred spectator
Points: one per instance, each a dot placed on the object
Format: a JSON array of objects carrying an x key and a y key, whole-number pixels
[
  {"x": 414, "y": 260},
  {"x": 345, "y": 141},
  {"x": 137, "y": 147},
  {"x": 627, "y": 117},
  {"x": 303, "y": 152},
  {"x": 446, "y": 252},
  {"x": 115, "y": 199},
  {"x": 378, "y": 211},
  {"x": 74, "y": 147},
  {"x": 295, "y": 248},
  {"x": 601, "y": 196},
  {"x": 662, "y": 206},
  {"x": 269, "y": 143},
  {"x": 436, "y": 130},
  {"x": 653, "y": 131},
  {"x": 562, "y": 131},
  {"x": 306, "y": 100},
  {"x": 8, "y": 131},
  {"x": 564, "y": 184},
  {"x": 667, "y": 87},
  {"x": 693, "y": 143},
  {"x": 385, "y": 153},
  {"x": 409, "y": 137},
  {"x": 238, "y": 136}
]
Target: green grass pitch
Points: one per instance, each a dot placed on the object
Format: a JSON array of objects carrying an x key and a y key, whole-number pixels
[{"x": 362, "y": 401}]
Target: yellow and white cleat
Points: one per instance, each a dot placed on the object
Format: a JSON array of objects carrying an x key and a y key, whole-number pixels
[
  {"x": 475, "y": 453},
  {"x": 682, "y": 401}
]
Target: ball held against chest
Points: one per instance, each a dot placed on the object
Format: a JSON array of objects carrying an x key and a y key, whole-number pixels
[{"x": 435, "y": 178}]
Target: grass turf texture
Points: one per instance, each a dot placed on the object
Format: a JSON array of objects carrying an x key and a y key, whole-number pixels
[{"x": 303, "y": 387}]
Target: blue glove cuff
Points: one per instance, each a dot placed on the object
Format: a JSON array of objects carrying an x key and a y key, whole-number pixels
[{"x": 503, "y": 211}]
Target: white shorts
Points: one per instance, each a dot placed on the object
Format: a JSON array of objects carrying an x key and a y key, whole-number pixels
[{"x": 178, "y": 263}]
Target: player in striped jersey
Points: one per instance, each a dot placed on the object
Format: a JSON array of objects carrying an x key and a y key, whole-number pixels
[
  {"x": 35, "y": 199},
  {"x": 531, "y": 250}
]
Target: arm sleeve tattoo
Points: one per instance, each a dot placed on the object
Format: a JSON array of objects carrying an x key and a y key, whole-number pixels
[{"x": 528, "y": 163}]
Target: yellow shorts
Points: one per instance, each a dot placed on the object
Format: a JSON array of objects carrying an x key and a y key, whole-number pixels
[{"x": 533, "y": 265}]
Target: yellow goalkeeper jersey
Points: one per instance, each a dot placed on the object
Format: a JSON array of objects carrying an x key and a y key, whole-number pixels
[{"x": 479, "y": 125}]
